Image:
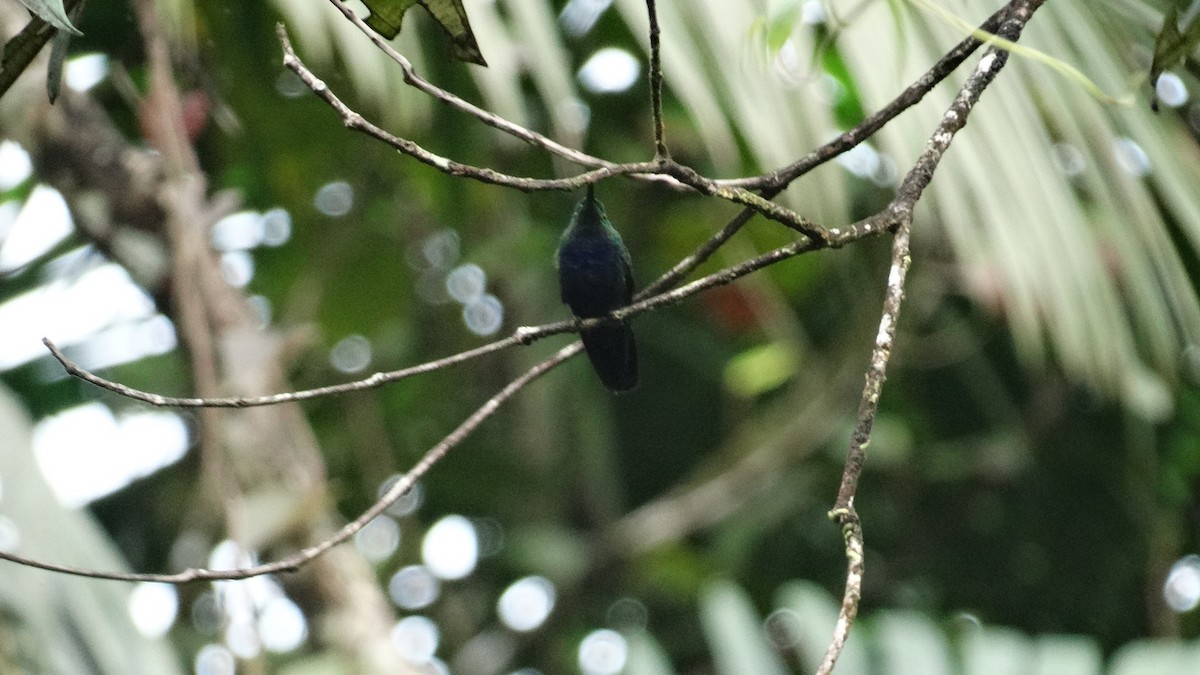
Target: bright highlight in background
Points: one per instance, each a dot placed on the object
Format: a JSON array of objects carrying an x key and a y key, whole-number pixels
[
  {"x": 526, "y": 603},
  {"x": 603, "y": 652},
  {"x": 281, "y": 625},
  {"x": 153, "y": 608},
  {"x": 416, "y": 638},
  {"x": 609, "y": 71},
  {"x": 42, "y": 222},
  {"x": 378, "y": 539},
  {"x": 15, "y": 166},
  {"x": 213, "y": 659},
  {"x": 578, "y": 17},
  {"x": 351, "y": 354},
  {"x": 86, "y": 452},
  {"x": 1171, "y": 90},
  {"x": 334, "y": 199},
  {"x": 1181, "y": 589},
  {"x": 84, "y": 72},
  {"x": 84, "y": 310},
  {"x": 451, "y": 548},
  {"x": 414, "y": 587}
]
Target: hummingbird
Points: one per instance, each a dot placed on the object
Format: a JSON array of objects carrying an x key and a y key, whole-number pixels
[{"x": 595, "y": 278}]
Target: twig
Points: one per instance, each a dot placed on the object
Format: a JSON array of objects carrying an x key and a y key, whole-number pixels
[
  {"x": 909, "y": 97},
  {"x": 838, "y": 238},
  {"x": 656, "y": 84},
  {"x": 355, "y": 121},
  {"x": 487, "y": 117},
  {"x": 524, "y": 335},
  {"x": 910, "y": 191},
  {"x": 685, "y": 175},
  {"x": 892, "y": 218},
  {"x": 772, "y": 183},
  {"x": 293, "y": 562}
]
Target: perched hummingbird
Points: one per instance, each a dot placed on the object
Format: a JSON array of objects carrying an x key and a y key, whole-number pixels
[{"x": 595, "y": 278}]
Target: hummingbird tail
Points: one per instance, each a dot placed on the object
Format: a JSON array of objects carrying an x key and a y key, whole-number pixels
[{"x": 613, "y": 354}]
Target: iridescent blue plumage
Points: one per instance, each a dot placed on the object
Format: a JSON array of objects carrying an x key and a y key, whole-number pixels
[{"x": 595, "y": 277}]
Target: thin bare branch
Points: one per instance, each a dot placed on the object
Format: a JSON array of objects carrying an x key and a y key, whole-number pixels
[
  {"x": 293, "y": 562},
  {"x": 656, "y": 84},
  {"x": 910, "y": 191},
  {"x": 413, "y": 79},
  {"x": 836, "y": 237},
  {"x": 524, "y": 335},
  {"x": 685, "y": 175},
  {"x": 355, "y": 121},
  {"x": 897, "y": 218},
  {"x": 772, "y": 182}
]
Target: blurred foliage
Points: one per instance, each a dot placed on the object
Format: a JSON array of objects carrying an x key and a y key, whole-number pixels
[{"x": 1037, "y": 460}]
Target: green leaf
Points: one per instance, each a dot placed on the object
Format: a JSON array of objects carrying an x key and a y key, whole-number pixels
[
  {"x": 1066, "y": 655},
  {"x": 53, "y": 13},
  {"x": 646, "y": 656},
  {"x": 1154, "y": 657},
  {"x": 781, "y": 21},
  {"x": 386, "y": 16},
  {"x": 908, "y": 643},
  {"x": 993, "y": 650},
  {"x": 761, "y": 369},
  {"x": 734, "y": 632}
]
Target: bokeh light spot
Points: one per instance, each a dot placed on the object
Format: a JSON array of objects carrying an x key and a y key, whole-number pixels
[
  {"x": 603, "y": 652},
  {"x": 1069, "y": 158},
  {"x": 241, "y": 636},
  {"x": 84, "y": 72},
  {"x": 484, "y": 315},
  {"x": 782, "y": 628},
  {"x": 15, "y": 165},
  {"x": 1131, "y": 157},
  {"x": 416, "y": 638},
  {"x": 1171, "y": 90},
  {"x": 1181, "y": 589},
  {"x": 153, "y": 608},
  {"x": 237, "y": 267},
  {"x": 450, "y": 548},
  {"x": 239, "y": 231},
  {"x": 526, "y": 603},
  {"x": 628, "y": 614},
  {"x": 414, "y": 587},
  {"x": 86, "y": 452},
  {"x": 281, "y": 625},
  {"x": 205, "y": 614},
  {"x": 609, "y": 71},
  {"x": 351, "y": 354},
  {"x": 378, "y": 539},
  {"x": 466, "y": 283},
  {"x": 334, "y": 199},
  {"x": 407, "y": 503},
  {"x": 213, "y": 659},
  {"x": 289, "y": 85},
  {"x": 440, "y": 250},
  {"x": 276, "y": 227}
]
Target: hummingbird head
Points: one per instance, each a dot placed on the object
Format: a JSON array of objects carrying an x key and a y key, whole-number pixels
[{"x": 589, "y": 211}]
